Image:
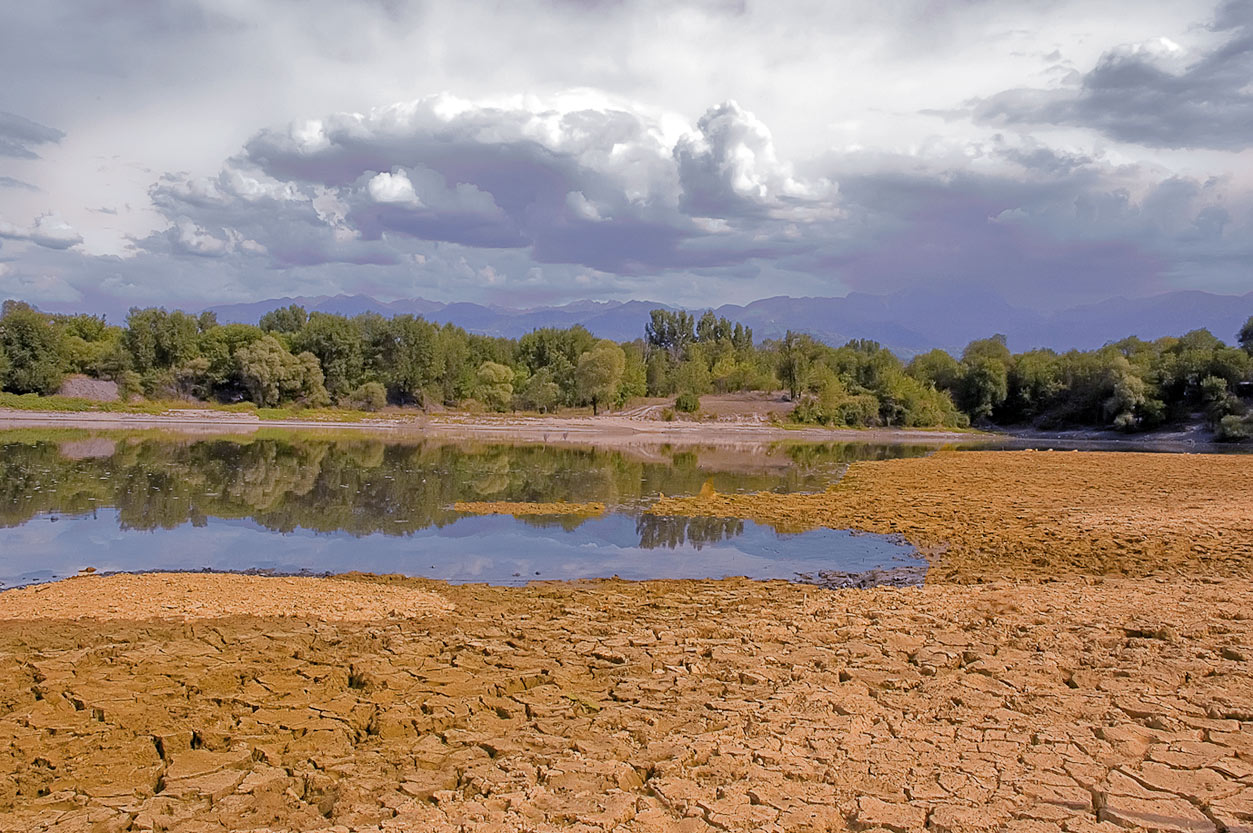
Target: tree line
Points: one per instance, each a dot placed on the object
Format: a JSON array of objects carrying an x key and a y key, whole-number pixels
[{"x": 293, "y": 357}]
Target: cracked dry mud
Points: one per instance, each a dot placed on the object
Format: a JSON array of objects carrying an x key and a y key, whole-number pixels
[{"x": 1093, "y": 703}]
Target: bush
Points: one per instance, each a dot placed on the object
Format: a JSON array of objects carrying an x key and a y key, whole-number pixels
[
  {"x": 371, "y": 396},
  {"x": 687, "y": 402},
  {"x": 1233, "y": 429}
]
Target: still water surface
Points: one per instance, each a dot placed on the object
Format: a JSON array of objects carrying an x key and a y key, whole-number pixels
[{"x": 293, "y": 503}]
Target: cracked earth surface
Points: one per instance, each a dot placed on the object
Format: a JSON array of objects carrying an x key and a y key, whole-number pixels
[{"x": 1090, "y": 703}]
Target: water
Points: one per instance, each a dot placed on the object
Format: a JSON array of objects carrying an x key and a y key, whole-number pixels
[{"x": 292, "y": 504}]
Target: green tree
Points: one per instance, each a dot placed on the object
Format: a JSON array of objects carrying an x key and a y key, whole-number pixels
[
  {"x": 289, "y": 319},
  {"x": 985, "y": 385},
  {"x": 158, "y": 340},
  {"x": 32, "y": 347},
  {"x": 540, "y": 392},
  {"x": 273, "y": 375},
  {"x": 599, "y": 372},
  {"x": 938, "y": 369},
  {"x": 495, "y": 385},
  {"x": 336, "y": 342},
  {"x": 1245, "y": 336}
]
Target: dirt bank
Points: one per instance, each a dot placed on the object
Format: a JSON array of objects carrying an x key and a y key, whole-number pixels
[
  {"x": 665, "y": 706},
  {"x": 1033, "y": 515}
]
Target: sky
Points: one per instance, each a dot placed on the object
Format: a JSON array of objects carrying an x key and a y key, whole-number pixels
[{"x": 533, "y": 152}]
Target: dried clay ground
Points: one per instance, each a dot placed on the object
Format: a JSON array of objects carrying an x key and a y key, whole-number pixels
[{"x": 1079, "y": 661}]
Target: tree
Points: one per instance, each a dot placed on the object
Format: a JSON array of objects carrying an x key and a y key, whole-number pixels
[
  {"x": 670, "y": 331},
  {"x": 599, "y": 373},
  {"x": 495, "y": 385},
  {"x": 289, "y": 319},
  {"x": 793, "y": 362},
  {"x": 985, "y": 386},
  {"x": 540, "y": 391},
  {"x": 336, "y": 342},
  {"x": 936, "y": 368},
  {"x": 1246, "y": 336},
  {"x": 273, "y": 375},
  {"x": 157, "y": 339},
  {"x": 32, "y": 350}
]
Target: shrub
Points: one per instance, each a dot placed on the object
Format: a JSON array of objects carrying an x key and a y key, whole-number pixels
[
  {"x": 687, "y": 402},
  {"x": 371, "y": 396},
  {"x": 1233, "y": 429}
]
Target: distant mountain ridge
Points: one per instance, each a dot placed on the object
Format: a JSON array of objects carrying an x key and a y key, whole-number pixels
[{"x": 907, "y": 322}]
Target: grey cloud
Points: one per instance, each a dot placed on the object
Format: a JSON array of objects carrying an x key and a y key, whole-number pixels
[
  {"x": 10, "y": 182},
  {"x": 1130, "y": 97},
  {"x": 18, "y": 135},
  {"x": 598, "y": 186}
]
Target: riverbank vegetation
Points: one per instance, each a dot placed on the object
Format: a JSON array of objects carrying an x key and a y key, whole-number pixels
[{"x": 291, "y": 358}]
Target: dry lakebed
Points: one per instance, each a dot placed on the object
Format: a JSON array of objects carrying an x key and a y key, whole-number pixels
[{"x": 1080, "y": 658}]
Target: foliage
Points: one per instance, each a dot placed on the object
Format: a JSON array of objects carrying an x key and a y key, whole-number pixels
[
  {"x": 273, "y": 375},
  {"x": 311, "y": 359},
  {"x": 371, "y": 396},
  {"x": 598, "y": 374},
  {"x": 495, "y": 385},
  {"x": 687, "y": 402},
  {"x": 32, "y": 349}
]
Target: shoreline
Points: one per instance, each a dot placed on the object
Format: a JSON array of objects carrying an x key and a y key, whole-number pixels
[{"x": 604, "y": 430}]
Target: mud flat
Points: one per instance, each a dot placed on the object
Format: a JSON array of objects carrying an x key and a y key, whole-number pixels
[
  {"x": 1032, "y": 514},
  {"x": 1109, "y": 689}
]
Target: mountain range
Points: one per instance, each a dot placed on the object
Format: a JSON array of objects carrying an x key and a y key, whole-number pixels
[{"x": 907, "y": 322}]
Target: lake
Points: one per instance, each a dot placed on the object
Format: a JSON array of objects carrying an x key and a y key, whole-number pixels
[{"x": 305, "y": 503}]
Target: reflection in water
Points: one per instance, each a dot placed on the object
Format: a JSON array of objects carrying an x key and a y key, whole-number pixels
[
  {"x": 135, "y": 502},
  {"x": 671, "y": 532},
  {"x": 363, "y": 486}
]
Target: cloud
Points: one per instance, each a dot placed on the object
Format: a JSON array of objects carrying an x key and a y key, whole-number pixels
[
  {"x": 577, "y": 179},
  {"x": 1148, "y": 94},
  {"x": 48, "y": 230},
  {"x": 39, "y": 289},
  {"x": 10, "y": 182},
  {"x": 18, "y": 135}
]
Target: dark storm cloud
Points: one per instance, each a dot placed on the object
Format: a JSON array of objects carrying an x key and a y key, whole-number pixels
[
  {"x": 1131, "y": 97},
  {"x": 19, "y": 135}
]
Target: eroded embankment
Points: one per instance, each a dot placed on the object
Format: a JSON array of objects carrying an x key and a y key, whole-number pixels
[
  {"x": 664, "y": 706},
  {"x": 1032, "y": 515}
]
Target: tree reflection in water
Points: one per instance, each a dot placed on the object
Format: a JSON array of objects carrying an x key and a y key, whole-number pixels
[
  {"x": 673, "y": 532},
  {"x": 365, "y": 485}
]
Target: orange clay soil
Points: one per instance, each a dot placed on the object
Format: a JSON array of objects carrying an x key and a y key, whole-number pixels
[
  {"x": 184, "y": 596},
  {"x": 1031, "y": 515},
  {"x": 504, "y": 507},
  {"x": 680, "y": 707}
]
